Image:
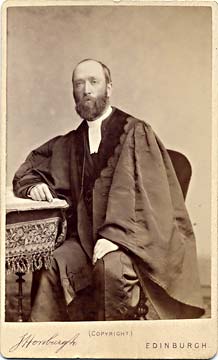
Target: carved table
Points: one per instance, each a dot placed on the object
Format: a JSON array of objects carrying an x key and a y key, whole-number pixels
[{"x": 33, "y": 230}]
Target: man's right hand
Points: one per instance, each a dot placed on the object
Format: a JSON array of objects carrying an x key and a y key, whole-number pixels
[{"x": 40, "y": 192}]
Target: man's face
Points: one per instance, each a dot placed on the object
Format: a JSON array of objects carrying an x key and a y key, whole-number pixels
[{"x": 90, "y": 91}]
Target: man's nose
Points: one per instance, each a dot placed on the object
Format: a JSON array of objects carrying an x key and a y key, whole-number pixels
[{"x": 87, "y": 89}]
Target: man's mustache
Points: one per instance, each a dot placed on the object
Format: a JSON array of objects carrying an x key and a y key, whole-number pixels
[
  {"x": 88, "y": 97},
  {"x": 85, "y": 98}
]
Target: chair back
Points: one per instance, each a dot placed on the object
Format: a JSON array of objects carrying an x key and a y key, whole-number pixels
[{"x": 182, "y": 168}]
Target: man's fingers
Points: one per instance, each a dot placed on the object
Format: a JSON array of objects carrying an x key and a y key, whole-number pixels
[
  {"x": 35, "y": 194},
  {"x": 41, "y": 192},
  {"x": 47, "y": 193},
  {"x": 103, "y": 247},
  {"x": 96, "y": 256},
  {"x": 99, "y": 244},
  {"x": 94, "y": 260},
  {"x": 99, "y": 255}
]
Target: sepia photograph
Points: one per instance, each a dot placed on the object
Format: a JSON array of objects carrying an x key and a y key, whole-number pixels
[{"x": 108, "y": 187}]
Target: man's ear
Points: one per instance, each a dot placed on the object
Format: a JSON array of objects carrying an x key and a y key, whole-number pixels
[{"x": 109, "y": 89}]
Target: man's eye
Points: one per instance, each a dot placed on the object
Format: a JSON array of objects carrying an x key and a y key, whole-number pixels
[
  {"x": 93, "y": 81},
  {"x": 79, "y": 83}
]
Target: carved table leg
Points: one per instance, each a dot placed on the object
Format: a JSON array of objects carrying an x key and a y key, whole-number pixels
[{"x": 20, "y": 281}]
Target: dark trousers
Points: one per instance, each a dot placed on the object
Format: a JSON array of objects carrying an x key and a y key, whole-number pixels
[{"x": 73, "y": 290}]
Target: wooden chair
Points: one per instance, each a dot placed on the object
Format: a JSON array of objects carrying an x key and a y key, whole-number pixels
[{"x": 182, "y": 168}]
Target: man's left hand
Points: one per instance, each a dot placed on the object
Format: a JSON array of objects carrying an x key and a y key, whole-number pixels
[{"x": 102, "y": 247}]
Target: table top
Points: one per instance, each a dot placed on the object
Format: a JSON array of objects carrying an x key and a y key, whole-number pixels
[{"x": 14, "y": 203}]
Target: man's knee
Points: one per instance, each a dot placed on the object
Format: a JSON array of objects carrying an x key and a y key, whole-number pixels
[
  {"x": 71, "y": 255},
  {"x": 115, "y": 266},
  {"x": 108, "y": 266}
]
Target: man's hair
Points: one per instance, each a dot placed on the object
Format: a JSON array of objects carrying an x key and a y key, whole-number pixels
[{"x": 106, "y": 70}]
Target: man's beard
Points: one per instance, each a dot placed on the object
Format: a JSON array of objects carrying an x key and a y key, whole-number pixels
[{"x": 90, "y": 110}]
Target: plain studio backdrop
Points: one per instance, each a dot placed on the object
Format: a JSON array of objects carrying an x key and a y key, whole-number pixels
[{"x": 160, "y": 60}]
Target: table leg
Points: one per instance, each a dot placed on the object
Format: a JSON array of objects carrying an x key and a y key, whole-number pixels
[{"x": 20, "y": 282}]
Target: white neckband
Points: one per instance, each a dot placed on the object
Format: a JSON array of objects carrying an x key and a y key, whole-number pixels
[{"x": 98, "y": 121}]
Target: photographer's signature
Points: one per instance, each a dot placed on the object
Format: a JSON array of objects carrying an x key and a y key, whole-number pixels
[{"x": 29, "y": 340}]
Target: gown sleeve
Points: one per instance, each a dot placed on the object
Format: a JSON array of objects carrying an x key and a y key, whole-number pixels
[{"x": 34, "y": 170}]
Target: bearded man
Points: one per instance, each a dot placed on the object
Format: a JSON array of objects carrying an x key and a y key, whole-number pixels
[{"x": 128, "y": 228}]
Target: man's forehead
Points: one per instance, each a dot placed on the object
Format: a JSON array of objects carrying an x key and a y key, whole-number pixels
[{"x": 88, "y": 68}]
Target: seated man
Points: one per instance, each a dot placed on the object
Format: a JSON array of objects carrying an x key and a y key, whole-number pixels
[{"x": 128, "y": 228}]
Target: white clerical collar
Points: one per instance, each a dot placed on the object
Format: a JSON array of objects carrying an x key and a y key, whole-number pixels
[
  {"x": 98, "y": 121},
  {"x": 94, "y": 133}
]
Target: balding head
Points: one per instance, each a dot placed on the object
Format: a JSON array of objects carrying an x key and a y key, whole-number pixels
[{"x": 105, "y": 69}]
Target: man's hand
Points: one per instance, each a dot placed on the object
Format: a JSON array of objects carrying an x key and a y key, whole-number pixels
[
  {"x": 41, "y": 192},
  {"x": 102, "y": 247}
]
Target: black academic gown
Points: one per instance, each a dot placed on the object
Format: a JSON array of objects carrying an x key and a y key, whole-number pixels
[{"x": 137, "y": 204}]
